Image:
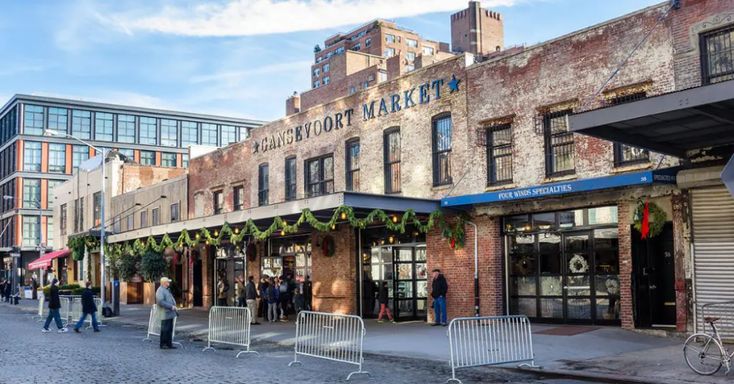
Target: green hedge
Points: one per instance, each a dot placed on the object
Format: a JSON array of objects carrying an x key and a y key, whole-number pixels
[{"x": 70, "y": 289}]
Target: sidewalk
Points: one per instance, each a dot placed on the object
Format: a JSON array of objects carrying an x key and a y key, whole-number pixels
[{"x": 607, "y": 353}]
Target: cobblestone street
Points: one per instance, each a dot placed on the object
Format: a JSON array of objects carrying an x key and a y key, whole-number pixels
[{"x": 118, "y": 355}]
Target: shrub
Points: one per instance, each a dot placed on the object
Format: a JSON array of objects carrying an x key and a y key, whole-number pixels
[
  {"x": 128, "y": 266},
  {"x": 153, "y": 266}
]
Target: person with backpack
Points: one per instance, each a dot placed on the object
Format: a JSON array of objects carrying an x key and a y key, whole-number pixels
[
  {"x": 272, "y": 296},
  {"x": 54, "y": 304},
  {"x": 250, "y": 293},
  {"x": 88, "y": 308}
]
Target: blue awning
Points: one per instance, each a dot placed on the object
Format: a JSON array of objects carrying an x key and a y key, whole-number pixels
[{"x": 663, "y": 176}]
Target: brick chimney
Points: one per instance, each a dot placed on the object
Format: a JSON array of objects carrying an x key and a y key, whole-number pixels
[
  {"x": 293, "y": 104},
  {"x": 477, "y": 30}
]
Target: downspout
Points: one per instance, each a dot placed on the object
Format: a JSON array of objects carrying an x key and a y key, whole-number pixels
[{"x": 476, "y": 269}]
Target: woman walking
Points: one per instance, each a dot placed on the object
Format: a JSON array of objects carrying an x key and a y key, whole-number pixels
[
  {"x": 54, "y": 303},
  {"x": 382, "y": 297}
]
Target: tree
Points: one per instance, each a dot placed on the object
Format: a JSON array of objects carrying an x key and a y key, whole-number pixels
[
  {"x": 153, "y": 266},
  {"x": 128, "y": 266},
  {"x": 317, "y": 49}
]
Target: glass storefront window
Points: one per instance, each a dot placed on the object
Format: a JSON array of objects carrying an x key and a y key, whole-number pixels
[
  {"x": 570, "y": 219},
  {"x": 602, "y": 215},
  {"x": 549, "y": 245},
  {"x": 544, "y": 221},
  {"x": 517, "y": 223},
  {"x": 522, "y": 255}
]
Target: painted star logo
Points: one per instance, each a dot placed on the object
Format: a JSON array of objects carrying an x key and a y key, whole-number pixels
[{"x": 454, "y": 84}]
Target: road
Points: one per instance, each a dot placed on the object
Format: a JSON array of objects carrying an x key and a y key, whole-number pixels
[{"x": 118, "y": 355}]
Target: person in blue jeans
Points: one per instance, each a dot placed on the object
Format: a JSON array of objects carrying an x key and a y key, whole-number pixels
[
  {"x": 54, "y": 304},
  {"x": 88, "y": 308},
  {"x": 439, "y": 288}
]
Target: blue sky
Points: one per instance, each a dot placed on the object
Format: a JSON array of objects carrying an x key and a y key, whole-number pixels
[{"x": 236, "y": 58}]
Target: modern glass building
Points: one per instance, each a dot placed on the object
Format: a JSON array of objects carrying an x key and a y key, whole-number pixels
[{"x": 32, "y": 164}]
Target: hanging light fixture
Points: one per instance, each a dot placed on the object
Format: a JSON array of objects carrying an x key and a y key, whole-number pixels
[
  {"x": 394, "y": 218},
  {"x": 198, "y": 236},
  {"x": 343, "y": 215},
  {"x": 216, "y": 233},
  {"x": 236, "y": 231},
  {"x": 391, "y": 239},
  {"x": 282, "y": 232},
  {"x": 333, "y": 227}
]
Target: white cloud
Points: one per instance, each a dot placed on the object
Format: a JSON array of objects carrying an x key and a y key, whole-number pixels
[{"x": 261, "y": 17}]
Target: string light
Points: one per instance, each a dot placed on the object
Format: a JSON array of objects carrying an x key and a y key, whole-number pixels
[
  {"x": 237, "y": 231},
  {"x": 216, "y": 233},
  {"x": 394, "y": 218},
  {"x": 282, "y": 232},
  {"x": 333, "y": 227},
  {"x": 343, "y": 215},
  {"x": 391, "y": 239}
]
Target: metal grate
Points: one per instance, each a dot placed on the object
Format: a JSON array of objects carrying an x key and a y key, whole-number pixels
[
  {"x": 717, "y": 55},
  {"x": 559, "y": 144},
  {"x": 499, "y": 154}
]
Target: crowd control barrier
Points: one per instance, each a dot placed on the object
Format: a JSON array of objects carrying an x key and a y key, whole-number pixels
[
  {"x": 330, "y": 336},
  {"x": 476, "y": 341},
  {"x": 154, "y": 326},
  {"x": 230, "y": 325},
  {"x": 66, "y": 311}
]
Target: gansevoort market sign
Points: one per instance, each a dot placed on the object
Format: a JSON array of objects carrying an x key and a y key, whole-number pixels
[{"x": 420, "y": 95}]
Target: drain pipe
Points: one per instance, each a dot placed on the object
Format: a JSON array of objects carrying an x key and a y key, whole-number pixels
[{"x": 476, "y": 270}]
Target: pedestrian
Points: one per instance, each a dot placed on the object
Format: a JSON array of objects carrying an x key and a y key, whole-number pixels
[
  {"x": 54, "y": 304},
  {"x": 307, "y": 293},
  {"x": 222, "y": 289},
  {"x": 2, "y": 289},
  {"x": 239, "y": 292},
  {"x": 273, "y": 298},
  {"x": 250, "y": 294},
  {"x": 34, "y": 287},
  {"x": 9, "y": 290},
  {"x": 284, "y": 299},
  {"x": 369, "y": 295},
  {"x": 166, "y": 313},
  {"x": 88, "y": 308},
  {"x": 299, "y": 301},
  {"x": 382, "y": 298},
  {"x": 263, "y": 290},
  {"x": 439, "y": 288}
]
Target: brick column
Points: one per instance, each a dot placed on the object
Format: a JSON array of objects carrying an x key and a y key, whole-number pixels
[
  {"x": 680, "y": 249},
  {"x": 625, "y": 212}
]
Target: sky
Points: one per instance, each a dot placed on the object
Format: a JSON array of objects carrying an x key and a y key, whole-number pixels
[{"x": 238, "y": 58}]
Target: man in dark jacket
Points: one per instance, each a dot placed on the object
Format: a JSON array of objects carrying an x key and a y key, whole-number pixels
[
  {"x": 251, "y": 299},
  {"x": 54, "y": 304},
  {"x": 439, "y": 288},
  {"x": 88, "y": 308}
]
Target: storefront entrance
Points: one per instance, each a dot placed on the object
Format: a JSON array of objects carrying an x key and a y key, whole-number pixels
[
  {"x": 564, "y": 266},
  {"x": 288, "y": 257},
  {"x": 653, "y": 281},
  {"x": 404, "y": 268},
  {"x": 230, "y": 266}
]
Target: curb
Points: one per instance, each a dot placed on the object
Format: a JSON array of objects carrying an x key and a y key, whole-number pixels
[{"x": 599, "y": 377}]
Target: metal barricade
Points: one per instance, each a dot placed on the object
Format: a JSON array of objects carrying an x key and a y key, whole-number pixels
[
  {"x": 230, "y": 325},
  {"x": 330, "y": 336},
  {"x": 154, "y": 326},
  {"x": 66, "y": 311},
  {"x": 476, "y": 341},
  {"x": 723, "y": 311}
]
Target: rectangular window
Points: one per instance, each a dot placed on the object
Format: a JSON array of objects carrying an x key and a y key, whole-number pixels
[
  {"x": 499, "y": 154},
  {"x": 189, "y": 133},
  {"x": 63, "y": 217},
  {"x": 185, "y": 160},
  {"x": 144, "y": 218},
  {"x": 218, "y": 202},
  {"x": 31, "y": 193},
  {"x": 175, "y": 212},
  {"x": 31, "y": 228},
  {"x": 148, "y": 131},
  {"x": 209, "y": 134},
  {"x": 410, "y": 56},
  {"x": 411, "y": 43},
  {"x": 78, "y": 155},
  {"x": 326, "y": 80},
  {"x": 169, "y": 133},
  {"x": 239, "y": 198},
  {"x": 392, "y": 160},
  {"x": 356, "y": 47},
  {"x": 229, "y": 135},
  {"x": 263, "y": 184},
  {"x": 126, "y": 128},
  {"x": 559, "y": 144},
  {"x": 169, "y": 160},
  {"x": 156, "y": 216},
  {"x": 320, "y": 176},
  {"x": 33, "y": 120},
  {"x": 389, "y": 52},
  {"x": 128, "y": 153},
  {"x": 78, "y": 214},
  {"x": 58, "y": 119},
  {"x": 428, "y": 51},
  {"x": 317, "y": 72},
  {"x": 32, "y": 156},
  {"x": 367, "y": 43},
  {"x": 97, "y": 208},
  {"x": 103, "y": 126},
  {"x": 49, "y": 231},
  {"x": 147, "y": 158},
  {"x": 326, "y": 67},
  {"x": 130, "y": 222},
  {"x": 116, "y": 225},
  {"x": 81, "y": 124},
  {"x": 317, "y": 83},
  {"x": 352, "y": 165},
  {"x": 57, "y": 158},
  {"x": 717, "y": 55},
  {"x": 290, "y": 178},
  {"x": 626, "y": 154},
  {"x": 442, "y": 133},
  {"x": 409, "y": 68},
  {"x": 390, "y": 38}
]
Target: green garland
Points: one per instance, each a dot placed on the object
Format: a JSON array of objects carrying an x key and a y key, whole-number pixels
[
  {"x": 454, "y": 234},
  {"x": 656, "y": 221},
  {"x": 76, "y": 245}
]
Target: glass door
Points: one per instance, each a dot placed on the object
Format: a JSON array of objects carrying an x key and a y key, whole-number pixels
[
  {"x": 578, "y": 270},
  {"x": 404, "y": 283}
]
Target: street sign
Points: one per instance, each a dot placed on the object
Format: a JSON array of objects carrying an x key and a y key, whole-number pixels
[{"x": 727, "y": 175}]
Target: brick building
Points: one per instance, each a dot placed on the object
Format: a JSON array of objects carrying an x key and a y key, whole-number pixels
[{"x": 551, "y": 212}]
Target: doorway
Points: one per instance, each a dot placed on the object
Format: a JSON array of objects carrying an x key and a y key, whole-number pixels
[
  {"x": 653, "y": 279},
  {"x": 404, "y": 269},
  {"x": 196, "y": 277}
]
